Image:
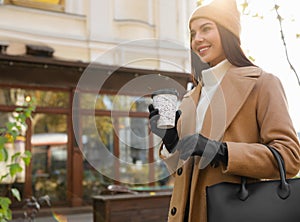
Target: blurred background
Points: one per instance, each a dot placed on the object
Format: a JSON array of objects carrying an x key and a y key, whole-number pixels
[{"x": 46, "y": 46}]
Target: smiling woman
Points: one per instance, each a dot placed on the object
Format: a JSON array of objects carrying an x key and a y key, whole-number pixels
[
  {"x": 256, "y": 16},
  {"x": 225, "y": 124}
]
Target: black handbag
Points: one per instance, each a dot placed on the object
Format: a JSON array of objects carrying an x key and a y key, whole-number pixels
[{"x": 263, "y": 201}]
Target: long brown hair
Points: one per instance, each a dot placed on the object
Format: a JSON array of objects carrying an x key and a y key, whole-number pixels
[{"x": 232, "y": 48}]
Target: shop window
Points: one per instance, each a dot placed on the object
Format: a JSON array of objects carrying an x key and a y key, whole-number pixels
[
  {"x": 94, "y": 143},
  {"x": 114, "y": 102},
  {"x": 44, "y": 98},
  {"x": 49, "y": 156},
  {"x": 134, "y": 148},
  {"x": 51, "y": 5},
  {"x": 126, "y": 160}
]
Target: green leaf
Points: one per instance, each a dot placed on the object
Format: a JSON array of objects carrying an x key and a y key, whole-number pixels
[
  {"x": 3, "y": 140},
  {"x": 19, "y": 128},
  {"x": 10, "y": 125},
  {"x": 15, "y": 156},
  {"x": 3, "y": 177},
  {"x": 5, "y": 202},
  {"x": 5, "y": 215},
  {"x": 2, "y": 130},
  {"x": 27, "y": 113},
  {"x": 3, "y": 154},
  {"x": 19, "y": 109},
  {"x": 14, "y": 134},
  {"x": 26, "y": 158},
  {"x": 28, "y": 153},
  {"x": 22, "y": 118},
  {"x": 16, "y": 193},
  {"x": 14, "y": 169}
]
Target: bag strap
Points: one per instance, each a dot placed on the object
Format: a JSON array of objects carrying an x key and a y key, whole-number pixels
[{"x": 283, "y": 190}]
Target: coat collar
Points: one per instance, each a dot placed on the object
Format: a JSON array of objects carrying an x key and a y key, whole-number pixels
[{"x": 226, "y": 102}]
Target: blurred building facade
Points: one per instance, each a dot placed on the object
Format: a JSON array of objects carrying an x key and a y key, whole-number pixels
[
  {"x": 47, "y": 46},
  {"x": 83, "y": 30}
]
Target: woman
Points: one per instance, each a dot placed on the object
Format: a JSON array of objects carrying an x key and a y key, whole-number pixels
[{"x": 227, "y": 120}]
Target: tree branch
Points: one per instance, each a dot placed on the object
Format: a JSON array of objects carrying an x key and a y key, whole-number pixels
[{"x": 284, "y": 43}]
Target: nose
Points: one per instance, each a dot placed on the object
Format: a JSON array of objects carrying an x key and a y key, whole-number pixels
[{"x": 198, "y": 37}]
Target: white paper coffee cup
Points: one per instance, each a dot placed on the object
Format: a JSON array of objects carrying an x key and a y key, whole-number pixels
[{"x": 165, "y": 100}]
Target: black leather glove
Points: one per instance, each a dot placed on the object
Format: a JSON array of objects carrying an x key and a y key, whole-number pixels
[
  {"x": 198, "y": 145},
  {"x": 169, "y": 136}
]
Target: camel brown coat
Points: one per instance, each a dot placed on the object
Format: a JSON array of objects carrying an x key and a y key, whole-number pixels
[{"x": 248, "y": 110}]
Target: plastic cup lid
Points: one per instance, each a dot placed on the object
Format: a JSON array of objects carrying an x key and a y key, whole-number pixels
[{"x": 165, "y": 91}]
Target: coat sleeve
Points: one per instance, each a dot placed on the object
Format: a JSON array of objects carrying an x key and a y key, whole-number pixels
[
  {"x": 275, "y": 128},
  {"x": 171, "y": 161}
]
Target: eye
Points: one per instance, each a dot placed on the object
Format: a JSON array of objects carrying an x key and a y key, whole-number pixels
[
  {"x": 192, "y": 34},
  {"x": 206, "y": 28}
]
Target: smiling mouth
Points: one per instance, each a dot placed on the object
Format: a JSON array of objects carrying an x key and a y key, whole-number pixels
[{"x": 203, "y": 50}]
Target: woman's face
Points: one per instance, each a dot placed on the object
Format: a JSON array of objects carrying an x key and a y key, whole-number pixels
[{"x": 206, "y": 42}]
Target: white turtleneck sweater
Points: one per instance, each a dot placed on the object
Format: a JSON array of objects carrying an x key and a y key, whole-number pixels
[{"x": 211, "y": 79}]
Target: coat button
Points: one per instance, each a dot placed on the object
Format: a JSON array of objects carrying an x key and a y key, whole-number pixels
[
  {"x": 179, "y": 171},
  {"x": 173, "y": 211}
]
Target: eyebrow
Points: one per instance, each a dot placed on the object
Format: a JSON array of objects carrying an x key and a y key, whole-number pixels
[
  {"x": 201, "y": 26},
  {"x": 207, "y": 23}
]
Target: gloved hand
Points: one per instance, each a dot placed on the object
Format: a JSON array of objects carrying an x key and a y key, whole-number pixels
[
  {"x": 198, "y": 145},
  {"x": 169, "y": 136}
]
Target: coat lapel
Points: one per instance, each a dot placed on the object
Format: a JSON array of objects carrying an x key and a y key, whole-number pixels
[
  {"x": 228, "y": 100},
  {"x": 187, "y": 124}
]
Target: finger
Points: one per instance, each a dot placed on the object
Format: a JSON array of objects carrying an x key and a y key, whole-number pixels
[
  {"x": 184, "y": 156},
  {"x": 153, "y": 120},
  {"x": 185, "y": 153},
  {"x": 178, "y": 114},
  {"x": 153, "y": 113},
  {"x": 150, "y": 108},
  {"x": 153, "y": 124}
]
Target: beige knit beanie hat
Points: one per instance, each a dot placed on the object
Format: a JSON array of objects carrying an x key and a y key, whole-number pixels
[{"x": 223, "y": 12}]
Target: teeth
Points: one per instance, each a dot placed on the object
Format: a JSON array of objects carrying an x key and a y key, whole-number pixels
[{"x": 201, "y": 50}]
